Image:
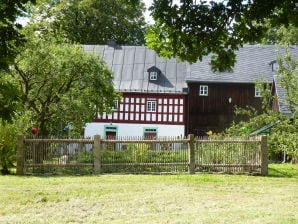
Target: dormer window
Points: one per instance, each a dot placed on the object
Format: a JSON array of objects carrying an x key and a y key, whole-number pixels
[
  {"x": 152, "y": 76},
  {"x": 153, "y": 73}
]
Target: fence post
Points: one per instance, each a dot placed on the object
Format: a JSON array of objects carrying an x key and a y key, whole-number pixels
[
  {"x": 20, "y": 155},
  {"x": 191, "y": 154},
  {"x": 97, "y": 155},
  {"x": 264, "y": 156}
]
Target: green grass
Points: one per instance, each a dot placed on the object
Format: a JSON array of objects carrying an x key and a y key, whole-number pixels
[{"x": 200, "y": 198}]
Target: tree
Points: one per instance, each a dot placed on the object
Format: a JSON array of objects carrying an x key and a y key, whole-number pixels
[
  {"x": 281, "y": 35},
  {"x": 288, "y": 80},
  {"x": 10, "y": 39},
  {"x": 60, "y": 83},
  {"x": 96, "y": 21},
  {"x": 196, "y": 28},
  {"x": 8, "y": 98},
  {"x": 8, "y": 139},
  {"x": 284, "y": 135},
  {"x": 10, "y": 36}
]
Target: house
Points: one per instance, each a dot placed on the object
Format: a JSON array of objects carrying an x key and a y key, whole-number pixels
[
  {"x": 154, "y": 94},
  {"x": 173, "y": 98}
]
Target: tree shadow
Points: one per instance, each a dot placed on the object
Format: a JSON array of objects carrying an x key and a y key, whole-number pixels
[{"x": 282, "y": 173}]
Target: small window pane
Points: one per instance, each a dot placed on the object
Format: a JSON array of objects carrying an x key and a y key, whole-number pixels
[
  {"x": 203, "y": 91},
  {"x": 257, "y": 92},
  {"x": 151, "y": 106},
  {"x": 153, "y": 75}
]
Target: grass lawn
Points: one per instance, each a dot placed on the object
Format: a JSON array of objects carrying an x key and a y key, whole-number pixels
[{"x": 200, "y": 198}]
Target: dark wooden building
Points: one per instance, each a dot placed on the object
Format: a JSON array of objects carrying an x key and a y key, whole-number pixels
[{"x": 213, "y": 96}]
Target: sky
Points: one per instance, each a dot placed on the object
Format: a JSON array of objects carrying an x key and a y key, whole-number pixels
[{"x": 148, "y": 18}]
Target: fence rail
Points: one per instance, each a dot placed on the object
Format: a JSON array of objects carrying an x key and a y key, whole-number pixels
[{"x": 135, "y": 155}]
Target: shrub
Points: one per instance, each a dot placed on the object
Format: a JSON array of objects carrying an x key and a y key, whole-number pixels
[{"x": 8, "y": 145}]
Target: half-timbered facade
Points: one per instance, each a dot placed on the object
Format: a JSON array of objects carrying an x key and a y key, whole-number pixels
[{"x": 153, "y": 92}]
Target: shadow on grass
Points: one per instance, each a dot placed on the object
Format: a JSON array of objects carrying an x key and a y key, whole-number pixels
[{"x": 283, "y": 170}]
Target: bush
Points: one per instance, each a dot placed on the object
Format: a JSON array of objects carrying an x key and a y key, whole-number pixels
[{"x": 8, "y": 146}]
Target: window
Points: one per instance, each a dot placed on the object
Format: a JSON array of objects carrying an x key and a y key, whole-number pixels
[
  {"x": 150, "y": 133},
  {"x": 275, "y": 67},
  {"x": 152, "y": 76},
  {"x": 257, "y": 92},
  {"x": 110, "y": 131},
  {"x": 151, "y": 106},
  {"x": 203, "y": 90}
]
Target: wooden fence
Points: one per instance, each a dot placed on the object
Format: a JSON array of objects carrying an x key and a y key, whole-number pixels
[{"x": 136, "y": 155}]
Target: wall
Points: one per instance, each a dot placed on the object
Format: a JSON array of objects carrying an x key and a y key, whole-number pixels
[
  {"x": 132, "y": 108},
  {"x": 123, "y": 129},
  {"x": 214, "y": 112}
]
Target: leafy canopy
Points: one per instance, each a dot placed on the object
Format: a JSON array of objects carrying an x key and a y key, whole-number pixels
[
  {"x": 10, "y": 36},
  {"x": 283, "y": 35},
  {"x": 193, "y": 28},
  {"x": 95, "y": 21},
  {"x": 59, "y": 83}
]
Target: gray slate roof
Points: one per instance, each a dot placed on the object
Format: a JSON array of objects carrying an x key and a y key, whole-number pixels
[
  {"x": 281, "y": 97},
  {"x": 130, "y": 65},
  {"x": 253, "y": 63}
]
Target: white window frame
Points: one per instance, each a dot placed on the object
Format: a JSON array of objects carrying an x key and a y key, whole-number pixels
[
  {"x": 151, "y": 106},
  {"x": 203, "y": 91},
  {"x": 257, "y": 92},
  {"x": 152, "y": 76}
]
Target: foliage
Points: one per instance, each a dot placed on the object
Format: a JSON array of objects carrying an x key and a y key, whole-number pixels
[
  {"x": 283, "y": 137},
  {"x": 193, "y": 29},
  {"x": 85, "y": 157},
  {"x": 288, "y": 79},
  {"x": 59, "y": 83},
  {"x": 95, "y": 21},
  {"x": 8, "y": 98},
  {"x": 283, "y": 141},
  {"x": 8, "y": 140},
  {"x": 10, "y": 40},
  {"x": 283, "y": 35},
  {"x": 140, "y": 153},
  {"x": 10, "y": 36}
]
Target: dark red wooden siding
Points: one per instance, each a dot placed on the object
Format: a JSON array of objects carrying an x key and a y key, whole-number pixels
[{"x": 214, "y": 112}]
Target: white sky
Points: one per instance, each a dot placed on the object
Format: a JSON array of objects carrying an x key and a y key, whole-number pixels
[{"x": 148, "y": 18}]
